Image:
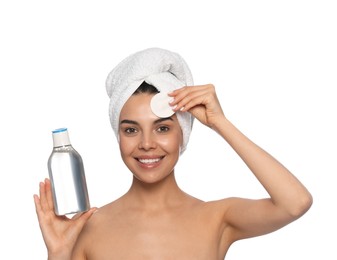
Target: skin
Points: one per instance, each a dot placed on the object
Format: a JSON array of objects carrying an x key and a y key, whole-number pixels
[{"x": 155, "y": 219}]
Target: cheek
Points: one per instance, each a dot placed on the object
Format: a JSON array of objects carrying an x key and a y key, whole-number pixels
[
  {"x": 170, "y": 143},
  {"x": 126, "y": 145}
]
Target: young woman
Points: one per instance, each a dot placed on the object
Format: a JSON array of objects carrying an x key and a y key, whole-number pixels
[{"x": 155, "y": 219}]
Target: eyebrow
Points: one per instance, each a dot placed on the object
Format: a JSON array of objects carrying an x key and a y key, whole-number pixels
[{"x": 127, "y": 121}]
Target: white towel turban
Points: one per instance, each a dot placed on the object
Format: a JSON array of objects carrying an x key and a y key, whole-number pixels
[{"x": 160, "y": 68}]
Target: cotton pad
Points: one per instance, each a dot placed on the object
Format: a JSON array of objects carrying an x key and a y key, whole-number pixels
[{"x": 160, "y": 105}]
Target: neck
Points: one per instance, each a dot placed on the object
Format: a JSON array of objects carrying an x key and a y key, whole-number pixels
[{"x": 165, "y": 193}]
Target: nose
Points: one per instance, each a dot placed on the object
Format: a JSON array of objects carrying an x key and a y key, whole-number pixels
[{"x": 147, "y": 141}]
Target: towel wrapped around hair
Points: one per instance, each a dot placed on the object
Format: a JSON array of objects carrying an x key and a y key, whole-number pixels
[{"x": 158, "y": 67}]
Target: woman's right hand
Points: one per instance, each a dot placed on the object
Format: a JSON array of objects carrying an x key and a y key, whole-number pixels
[{"x": 60, "y": 233}]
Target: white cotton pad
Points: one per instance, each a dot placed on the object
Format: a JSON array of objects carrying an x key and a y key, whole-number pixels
[{"x": 160, "y": 105}]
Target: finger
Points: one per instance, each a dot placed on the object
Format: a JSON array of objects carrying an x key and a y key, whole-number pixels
[
  {"x": 183, "y": 89},
  {"x": 49, "y": 195},
  {"x": 188, "y": 88},
  {"x": 201, "y": 95},
  {"x": 178, "y": 94},
  {"x": 80, "y": 214},
  {"x": 186, "y": 91},
  {"x": 37, "y": 206},
  {"x": 43, "y": 198},
  {"x": 189, "y": 100},
  {"x": 197, "y": 101},
  {"x": 77, "y": 215},
  {"x": 84, "y": 217},
  {"x": 88, "y": 214}
]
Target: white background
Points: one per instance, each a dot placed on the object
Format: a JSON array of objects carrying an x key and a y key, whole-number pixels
[{"x": 274, "y": 67}]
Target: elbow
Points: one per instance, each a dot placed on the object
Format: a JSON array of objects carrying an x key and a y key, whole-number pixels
[{"x": 303, "y": 204}]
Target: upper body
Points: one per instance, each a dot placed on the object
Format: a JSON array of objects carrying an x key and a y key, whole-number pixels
[{"x": 155, "y": 219}]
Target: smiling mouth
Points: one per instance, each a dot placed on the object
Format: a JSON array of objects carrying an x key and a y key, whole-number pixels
[{"x": 150, "y": 161}]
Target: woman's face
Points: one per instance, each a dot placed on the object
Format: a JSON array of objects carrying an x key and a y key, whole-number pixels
[{"x": 149, "y": 145}]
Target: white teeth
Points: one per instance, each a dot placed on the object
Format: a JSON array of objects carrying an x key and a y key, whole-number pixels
[{"x": 148, "y": 161}]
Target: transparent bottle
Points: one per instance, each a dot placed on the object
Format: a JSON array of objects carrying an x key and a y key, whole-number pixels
[{"x": 67, "y": 177}]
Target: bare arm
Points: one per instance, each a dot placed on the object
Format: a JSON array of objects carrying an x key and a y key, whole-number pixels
[{"x": 289, "y": 199}]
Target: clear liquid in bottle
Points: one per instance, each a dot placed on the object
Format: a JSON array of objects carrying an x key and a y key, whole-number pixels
[{"x": 67, "y": 177}]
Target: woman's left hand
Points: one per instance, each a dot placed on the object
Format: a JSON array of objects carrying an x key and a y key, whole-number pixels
[{"x": 201, "y": 101}]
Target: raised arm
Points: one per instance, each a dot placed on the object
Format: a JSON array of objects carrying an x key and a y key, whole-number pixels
[{"x": 289, "y": 199}]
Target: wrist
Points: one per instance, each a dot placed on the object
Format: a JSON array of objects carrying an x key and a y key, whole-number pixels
[
  {"x": 59, "y": 255},
  {"x": 220, "y": 124}
]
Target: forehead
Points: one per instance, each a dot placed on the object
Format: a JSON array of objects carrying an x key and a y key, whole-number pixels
[
  {"x": 138, "y": 108},
  {"x": 136, "y": 104}
]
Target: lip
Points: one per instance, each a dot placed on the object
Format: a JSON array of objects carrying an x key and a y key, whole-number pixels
[{"x": 149, "y": 162}]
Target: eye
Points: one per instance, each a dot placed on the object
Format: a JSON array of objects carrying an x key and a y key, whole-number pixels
[
  {"x": 163, "y": 129},
  {"x": 130, "y": 130}
]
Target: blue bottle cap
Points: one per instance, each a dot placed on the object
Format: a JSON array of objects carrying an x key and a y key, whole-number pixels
[
  {"x": 60, "y": 137},
  {"x": 59, "y": 130}
]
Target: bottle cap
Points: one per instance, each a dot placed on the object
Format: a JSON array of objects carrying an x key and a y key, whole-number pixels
[
  {"x": 60, "y": 137},
  {"x": 160, "y": 105}
]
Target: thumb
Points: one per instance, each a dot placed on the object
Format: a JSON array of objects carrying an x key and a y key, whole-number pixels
[{"x": 82, "y": 218}]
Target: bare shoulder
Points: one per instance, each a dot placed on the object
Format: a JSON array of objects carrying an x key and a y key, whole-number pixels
[
  {"x": 220, "y": 206},
  {"x": 96, "y": 228},
  {"x": 105, "y": 214}
]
